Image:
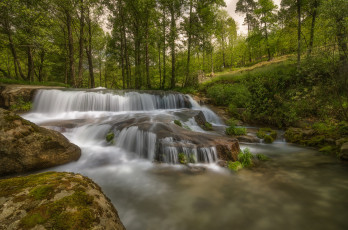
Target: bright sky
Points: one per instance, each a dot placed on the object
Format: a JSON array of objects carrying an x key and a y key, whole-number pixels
[{"x": 239, "y": 18}]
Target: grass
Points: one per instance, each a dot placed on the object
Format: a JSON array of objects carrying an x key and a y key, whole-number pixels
[
  {"x": 236, "y": 131},
  {"x": 21, "y": 82},
  {"x": 178, "y": 123}
]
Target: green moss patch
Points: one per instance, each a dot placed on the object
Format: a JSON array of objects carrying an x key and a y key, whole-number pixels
[
  {"x": 178, "y": 123},
  {"x": 110, "y": 136}
]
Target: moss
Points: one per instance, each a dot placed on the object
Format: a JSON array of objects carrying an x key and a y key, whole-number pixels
[
  {"x": 192, "y": 159},
  {"x": 178, "y": 123},
  {"x": 58, "y": 216},
  {"x": 263, "y": 132},
  {"x": 235, "y": 166},
  {"x": 235, "y": 131},
  {"x": 268, "y": 139},
  {"x": 21, "y": 105},
  {"x": 262, "y": 157},
  {"x": 110, "y": 136},
  {"x": 182, "y": 158},
  {"x": 41, "y": 192},
  {"x": 329, "y": 149},
  {"x": 207, "y": 126},
  {"x": 316, "y": 141}
]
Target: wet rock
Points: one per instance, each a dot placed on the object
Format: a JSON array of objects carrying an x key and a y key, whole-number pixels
[
  {"x": 200, "y": 119},
  {"x": 248, "y": 139},
  {"x": 55, "y": 200},
  {"x": 25, "y": 146},
  {"x": 344, "y": 152}
]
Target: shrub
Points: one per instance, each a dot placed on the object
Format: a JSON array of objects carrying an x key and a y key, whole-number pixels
[
  {"x": 268, "y": 139},
  {"x": 177, "y": 122},
  {"x": 234, "y": 166},
  {"x": 245, "y": 158},
  {"x": 235, "y": 131}
]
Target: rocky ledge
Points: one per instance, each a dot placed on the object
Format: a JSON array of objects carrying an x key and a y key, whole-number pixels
[
  {"x": 25, "y": 146},
  {"x": 10, "y": 95},
  {"x": 55, "y": 200}
]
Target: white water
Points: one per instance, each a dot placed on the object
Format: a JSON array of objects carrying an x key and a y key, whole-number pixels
[{"x": 298, "y": 189}]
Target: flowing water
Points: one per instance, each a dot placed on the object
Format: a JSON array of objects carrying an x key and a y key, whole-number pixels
[{"x": 298, "y": 189}]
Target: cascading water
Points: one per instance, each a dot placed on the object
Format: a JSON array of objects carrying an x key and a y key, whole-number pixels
[
  {"x": 55, "y": 101},
  {"x": 142, "y": 123}
]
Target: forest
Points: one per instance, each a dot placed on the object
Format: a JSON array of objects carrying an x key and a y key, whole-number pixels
[{"x": 160, "y": 44}]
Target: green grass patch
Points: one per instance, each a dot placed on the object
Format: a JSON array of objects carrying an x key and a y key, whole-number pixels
[
  {"x": 236, "y": 131},
  {"x": 262, "y": 157},
  {"x": 21, "y": 82}
]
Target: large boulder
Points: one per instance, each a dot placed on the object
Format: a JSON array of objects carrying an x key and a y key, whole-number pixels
[
  {"x": 344, "y": 152},
  {"x": 25, "y": 146},
  {"x": 55, "y": 200}
]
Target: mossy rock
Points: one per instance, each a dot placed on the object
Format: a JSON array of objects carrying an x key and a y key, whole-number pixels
[
  {"x": 262, "y": 132},
  {"x": 182, "y": 158},
  {"x": 329, "y": 149},
  {"x": 235, "y": 131},
  {"x": 55, "y": 200},
  {"x": 207, "y": 126},
  {"x": 268, "y": 139},
  {"x": 178, "y": 123},
  {"x": 110, "y": 136}
]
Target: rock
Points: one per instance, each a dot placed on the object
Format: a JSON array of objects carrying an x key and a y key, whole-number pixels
[
  {"x": 200, "y": 119},
  {"x": 11, "y": 94},
  {"x": 248, "y": 139},
  {"x": 55, "y": 200},
  {"x": 25, "y": 146},
  {"x": 341, "y": 141},
  {"x": 227, "y": 150},
  {"x": 344, "y": 152}
]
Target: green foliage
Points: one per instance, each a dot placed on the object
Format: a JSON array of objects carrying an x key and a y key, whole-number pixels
[
  {"x": 22, "y": 82},
  {"x": 235, "y": 131},
  {"x": 42, "y": 192},
  {"x": 182, "y": 158},
  {"x": 262, "y": 157},
  {"x": 178, "y": 123},
  {"x": 245, "y": 158},
  {"x": 21, "y": 106},
  {"x": 192, "y": 159},
  {"x": 224, "y": 94},
  {"x": 234, "y": 166},
  {"x": 208, "y": 126},
  {"x": 268, "y": 139},
  {"x": 110, "y": 136},
  {"x": 329, "y": 149},
  {"x": 268, "y": 134}
]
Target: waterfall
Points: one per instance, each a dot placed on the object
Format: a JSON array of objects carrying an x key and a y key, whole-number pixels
[
  {"x": 149, "y": 135},
  {"x": 56, "y": 101}
]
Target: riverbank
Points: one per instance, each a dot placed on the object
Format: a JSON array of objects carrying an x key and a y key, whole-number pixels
[{"x": 308, "y": 104}]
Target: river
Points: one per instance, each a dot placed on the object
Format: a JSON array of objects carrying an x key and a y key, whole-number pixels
[{"x": 299, "y": 188}]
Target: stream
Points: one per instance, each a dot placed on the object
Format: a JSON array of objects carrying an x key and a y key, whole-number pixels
[{"x": 299, "y": 188}]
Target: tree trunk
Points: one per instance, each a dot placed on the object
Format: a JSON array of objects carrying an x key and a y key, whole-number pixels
[
  {"x": 89, "y": 51},
  {"x": 267, "y": 43},
  {"x": 164, "y": 49},
  {"x": 159, "y": 64},
  {"x": 172, "y": 45},
  {"x": 148, "y": 81},
  {"x": 71, "y": 49},
  {"x": 30, "y": 75},
  {"x": 42, "y": 59},
  {"x": 189, "y": 47},
  {"x": 299, "y": 35},
  {"x": 81, "y": 41},
  {"x": 14, "y": 53}
]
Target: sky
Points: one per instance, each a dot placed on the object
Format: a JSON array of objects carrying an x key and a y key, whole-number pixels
[{"x": 239, "y": 18}]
